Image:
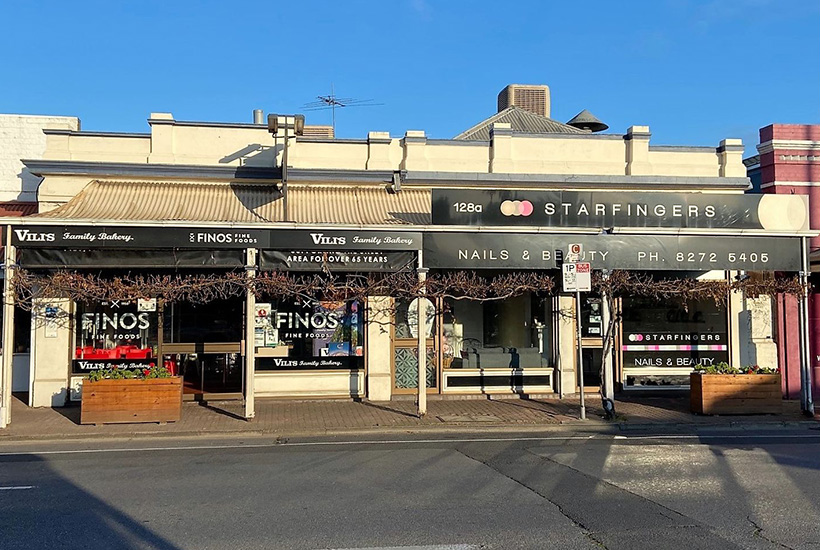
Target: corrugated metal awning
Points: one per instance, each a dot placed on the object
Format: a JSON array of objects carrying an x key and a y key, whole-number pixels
[{"x": 245, "y": 203}]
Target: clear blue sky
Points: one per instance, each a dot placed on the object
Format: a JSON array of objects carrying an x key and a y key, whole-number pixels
[{"x": 694, "y": 71}]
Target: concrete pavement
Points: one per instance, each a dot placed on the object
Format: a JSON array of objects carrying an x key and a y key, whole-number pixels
[{"x": 327, "y": 417}]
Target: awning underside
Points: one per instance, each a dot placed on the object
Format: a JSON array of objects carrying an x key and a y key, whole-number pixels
[{"x": 245, "y": 203}]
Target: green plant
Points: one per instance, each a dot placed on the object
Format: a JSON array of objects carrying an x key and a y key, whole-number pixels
[
  {"x": 115, "y": 373},
  {"x": 725, "y": 368}
]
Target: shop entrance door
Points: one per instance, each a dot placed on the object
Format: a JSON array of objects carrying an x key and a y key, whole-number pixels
[
  {"x": 202, "y": 343},
  {"x": 406, "y": 350},
  {"x": 592, "y": 329}
]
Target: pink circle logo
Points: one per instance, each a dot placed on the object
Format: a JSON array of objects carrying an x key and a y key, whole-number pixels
[{"x": 516, "y": 208}]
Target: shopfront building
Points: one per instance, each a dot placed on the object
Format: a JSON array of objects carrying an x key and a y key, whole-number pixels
[{"x": 389, "y": 205}]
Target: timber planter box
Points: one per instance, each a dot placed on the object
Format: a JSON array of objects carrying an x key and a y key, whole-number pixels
[
  {"x": 735, "y": 393},
  {"x": 112, "y": 401}
]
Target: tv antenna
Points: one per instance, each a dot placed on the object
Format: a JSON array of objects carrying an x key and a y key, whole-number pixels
[{"x": 325, "y": 102}]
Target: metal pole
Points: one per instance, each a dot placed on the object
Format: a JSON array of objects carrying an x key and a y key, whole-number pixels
[
  {"x": 422, "y": 339},
  {"x": 580, "y": 351},
  {"x": 8, "y": 334},
  {"x": 807, "y": 405},
  {"x": 250, "y": 335},
  {"x": 285, "y": 174}
]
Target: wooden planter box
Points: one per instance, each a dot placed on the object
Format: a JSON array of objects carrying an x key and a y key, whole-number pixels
[
  {"x": 120, "y": 401},
  {"x": 735, "y": 393}
]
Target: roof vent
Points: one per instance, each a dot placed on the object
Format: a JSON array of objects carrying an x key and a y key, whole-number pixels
[{"x": 587, "y": 121}]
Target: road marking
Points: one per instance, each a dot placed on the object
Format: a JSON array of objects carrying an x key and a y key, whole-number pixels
[
  {"x": 18, "y": 488},
  {"x": 434, "y": 547},
  {"x": 282, "y": 444}
]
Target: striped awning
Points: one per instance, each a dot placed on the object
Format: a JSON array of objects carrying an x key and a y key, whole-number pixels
[{"x": 366, "y": 204}]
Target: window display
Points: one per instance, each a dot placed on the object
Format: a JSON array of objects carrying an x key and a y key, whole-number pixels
[
  {"x": 510, "y": 333},
  {"x": 662, "y": 341},
  {"x": 309, "y": 335},
  {"x": 115, "y": 334}
]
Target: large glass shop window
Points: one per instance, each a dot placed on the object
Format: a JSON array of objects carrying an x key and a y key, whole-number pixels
[
  {"x": 662, "y": 341},
  {"x": 309, "y": 335},
  {"x": 115, "y": 333},
  {"x": 511, "y": 333}
]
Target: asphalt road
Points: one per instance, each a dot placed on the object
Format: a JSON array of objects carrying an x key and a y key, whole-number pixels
[{"x": 734, "y": 490}]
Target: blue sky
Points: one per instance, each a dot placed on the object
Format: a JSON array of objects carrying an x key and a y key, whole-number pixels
[{"x": 694, "y": 71}]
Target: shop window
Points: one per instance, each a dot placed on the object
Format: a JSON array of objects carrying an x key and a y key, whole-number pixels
[
  {"x": 510, "y": 333},
  {"x": 663, "y": 340},
  {"x": 115, "y": 333},
  {"x": 296, "y": 335},
  {"x": 216, "y": 321},
  {"x": 22, "y": 330},
  {"x": 592, "y": 316}
]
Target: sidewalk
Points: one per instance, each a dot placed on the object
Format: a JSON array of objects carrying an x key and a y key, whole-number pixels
[{"x": 327, "y": 417}]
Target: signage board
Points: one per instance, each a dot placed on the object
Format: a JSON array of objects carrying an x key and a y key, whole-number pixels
[
  {"x": 80, "y": 237},
  {"x": 90, "y": 237},
  {"x": 604, "y": 209},
  {"x": 331, "y": 239},
  {"x": 577, "y": 277},
  {"x": 343, "y": 260},
  {"x": 487, "y": 250}
]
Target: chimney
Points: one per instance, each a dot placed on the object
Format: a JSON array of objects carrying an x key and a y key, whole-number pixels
[
  {"x": 258, "y": 116},
  {"x": 533, "y": 98}
]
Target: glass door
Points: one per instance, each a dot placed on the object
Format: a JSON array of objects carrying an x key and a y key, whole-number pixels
[
  {"x": 405, "y": 347},
  {"x": 202, "y": 342},
  {"x": 592, "y": 333}
]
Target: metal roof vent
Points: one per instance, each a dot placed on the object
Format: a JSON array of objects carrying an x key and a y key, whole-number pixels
[{"x": 587, "y": 121}]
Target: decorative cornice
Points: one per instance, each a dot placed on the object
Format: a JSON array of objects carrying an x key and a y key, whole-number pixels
[
  {"x": 177, "y": 171},
  {"x": 791, "y": 144},
  {"x": 574, "y": 181}
]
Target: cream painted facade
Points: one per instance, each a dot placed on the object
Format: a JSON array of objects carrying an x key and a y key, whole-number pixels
[{"x": 194, "y": 152}]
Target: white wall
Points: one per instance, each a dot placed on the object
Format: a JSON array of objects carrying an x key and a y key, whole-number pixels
[{"x": 21, "y": 137}]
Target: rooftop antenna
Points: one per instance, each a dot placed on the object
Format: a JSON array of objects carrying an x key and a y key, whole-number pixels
[{"x": 325, "y": 102}]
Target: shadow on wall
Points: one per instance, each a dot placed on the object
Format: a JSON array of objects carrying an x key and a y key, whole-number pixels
[
  {"x": 254, "y": 154},
  {"x": 28, "y": 185}
]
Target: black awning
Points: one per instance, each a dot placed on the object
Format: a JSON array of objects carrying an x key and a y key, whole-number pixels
[{"x": 52, "y": 258}]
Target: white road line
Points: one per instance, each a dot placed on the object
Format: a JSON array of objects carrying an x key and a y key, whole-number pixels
[
  {"x": 409, "y": 442},
  {"x": 434, "y": 547},
  {"x": 18, "y": 488}
]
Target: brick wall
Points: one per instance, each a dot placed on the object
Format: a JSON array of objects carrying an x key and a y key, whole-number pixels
[{"x": 21, "y": 136}]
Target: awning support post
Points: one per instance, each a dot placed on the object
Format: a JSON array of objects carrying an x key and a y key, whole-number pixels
[
  {"x": 8, "y": 332},
  {"x": 806, "y": 403},
  {"x": 422, "y": 338},
  {"x": 250, "y": 334}
]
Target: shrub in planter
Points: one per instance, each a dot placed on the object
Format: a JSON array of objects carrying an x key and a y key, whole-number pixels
[
  {"x": 724, "y": 389},
  {"x": 121, "y": 395}
]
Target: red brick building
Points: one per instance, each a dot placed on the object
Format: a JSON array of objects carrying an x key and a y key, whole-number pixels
[{"x": 788, "y": 162}]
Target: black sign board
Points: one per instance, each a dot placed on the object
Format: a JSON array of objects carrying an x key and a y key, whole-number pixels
[
  {"x": 612, "y": 209},
  {"x": 80, "y": 237},
  {"x": 309, "y": 363},
  {"x": 317, "y": 260},
  {"x": 485, "y": 250},
  {"x": 332, "y": 239},
  {"x": 85, "y": 366},
  {"x": 88, "y": 237}
]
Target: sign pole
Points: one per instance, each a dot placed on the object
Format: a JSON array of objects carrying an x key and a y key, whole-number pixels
[{"x": 580, "y": 352}]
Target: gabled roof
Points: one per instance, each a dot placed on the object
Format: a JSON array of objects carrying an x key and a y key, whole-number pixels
[{"x": 522, "y": 121}]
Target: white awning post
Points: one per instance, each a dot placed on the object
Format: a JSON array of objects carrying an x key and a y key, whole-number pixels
[
  {"x": 250, "y": 334},
  {"x": 806, "y": 403},
  {"x": 8, "y": 333},
  {"x": 422, "y": 336}
]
